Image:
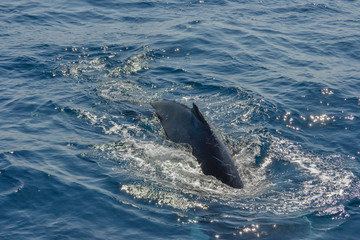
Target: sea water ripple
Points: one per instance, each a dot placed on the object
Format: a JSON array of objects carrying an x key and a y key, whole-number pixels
[{"x": 82, "y": 155}]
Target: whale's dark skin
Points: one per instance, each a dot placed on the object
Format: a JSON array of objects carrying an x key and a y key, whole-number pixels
[{"x": 187, "y": 125}]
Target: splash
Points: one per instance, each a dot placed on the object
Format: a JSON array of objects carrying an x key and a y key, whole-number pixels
[
  {"x": 132, "y": 65},
  {"x": 315, "y": 182},
  {"x": 89, "y": 65},
  {"x": 162, "y": 197},
  {"x": 288, "y": 180},
  {"x": 123, "y": 90}
]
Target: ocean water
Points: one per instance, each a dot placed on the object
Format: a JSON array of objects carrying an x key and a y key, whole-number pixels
[{"x": 83, "y": 156}]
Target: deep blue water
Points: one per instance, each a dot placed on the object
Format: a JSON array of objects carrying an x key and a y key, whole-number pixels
[{"x": 82, "y": 155}]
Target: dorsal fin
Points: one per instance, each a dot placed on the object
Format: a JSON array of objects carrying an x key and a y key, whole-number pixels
[{"x": 198, "y": 114}]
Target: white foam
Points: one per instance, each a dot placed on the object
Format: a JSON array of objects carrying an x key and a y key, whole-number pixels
[
  {"x": 174, "y": 178},
  {"x": 170, "y": 173},
  {"x": 323, "y": 180}
]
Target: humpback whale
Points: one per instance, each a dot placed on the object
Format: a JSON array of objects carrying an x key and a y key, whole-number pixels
[{"x": 187, "y": 125}]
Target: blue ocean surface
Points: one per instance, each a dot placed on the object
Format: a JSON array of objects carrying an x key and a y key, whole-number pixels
[{"x": 83, "y": 155}]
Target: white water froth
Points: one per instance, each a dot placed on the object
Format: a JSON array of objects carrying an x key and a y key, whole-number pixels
[
  {"x": 121, "y": 90},
  {"x": 101, "y": 68},
  {"x": 322, "y": 180},
  {"x": 172, "y": 177}
]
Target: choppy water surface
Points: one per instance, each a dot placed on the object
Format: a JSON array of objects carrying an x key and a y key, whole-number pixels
[{"x": 83, "y": 156}]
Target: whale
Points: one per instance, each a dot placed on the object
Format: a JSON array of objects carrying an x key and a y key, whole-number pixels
[{"x": 187, "y": 125}]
